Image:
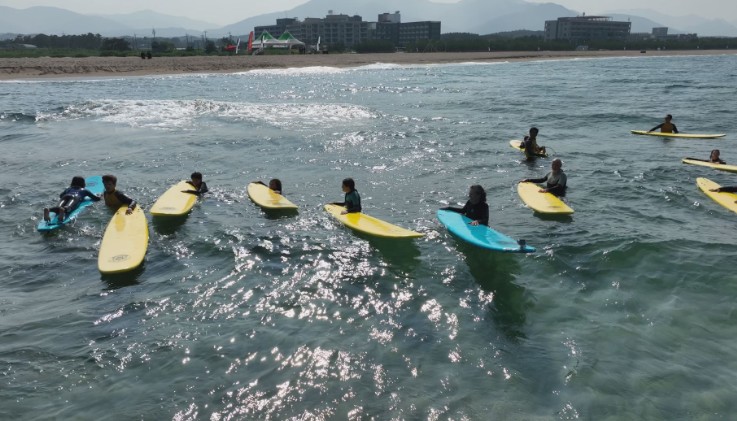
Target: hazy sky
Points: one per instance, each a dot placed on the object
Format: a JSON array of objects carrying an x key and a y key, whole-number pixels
[{"x": 225, "y": 12}]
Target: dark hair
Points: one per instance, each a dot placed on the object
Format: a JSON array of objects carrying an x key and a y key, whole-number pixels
[
  {"x": 277, "y": 182},
  {"x": 78, "y": 181},
  {"x": 196, "y": 176},
  {"x": 532, "y": 130},
  {"x": 669, "y": 117},
  {"x": 111, "y": 178},
  {"x": 348, "y": 182},
  {"x": 477, "y": 189}
]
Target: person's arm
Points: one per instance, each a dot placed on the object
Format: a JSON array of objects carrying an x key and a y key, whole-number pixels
[
  {"x": 727, "y": 189},
  {"x": 92, "y": 196},
  {"x": 675, "y": 130},
  {"x": 657, "y": 127},
  {"x": 483, "y": 214},
  {"x": 535, "y": 180},
  {"x": 126, "y": 201},
  {"x": 197, "y": 192}
]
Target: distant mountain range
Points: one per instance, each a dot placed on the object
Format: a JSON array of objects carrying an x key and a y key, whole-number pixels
[{"x": 476, "y": 16}]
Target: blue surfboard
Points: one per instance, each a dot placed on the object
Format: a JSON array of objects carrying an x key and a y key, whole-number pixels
[
  {"x": 93, "y": 184},
  {"x": 481, "y": 235}
]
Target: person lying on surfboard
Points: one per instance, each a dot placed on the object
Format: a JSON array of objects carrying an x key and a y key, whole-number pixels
[
  {"x": 71, "y": 197},
  {"x": 352, "y": 201},
  {"x": 555, "y": 180},
  {"x": 114, "y": 198},
  {"x": 530, "y": 145},
  {"x": 475, "y": 208},
  {"x": 200, "y": 187},
  {"x": 274, "y": 185},
  {"x": 666, "y": 126}
]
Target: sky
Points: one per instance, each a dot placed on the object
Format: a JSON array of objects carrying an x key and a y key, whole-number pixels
[{"x": 225, "y": 12}]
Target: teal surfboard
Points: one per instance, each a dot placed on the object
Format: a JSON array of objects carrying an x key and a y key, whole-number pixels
[
  {"x": 93, "y": 184},
  {"x": 481, "y": 235}
]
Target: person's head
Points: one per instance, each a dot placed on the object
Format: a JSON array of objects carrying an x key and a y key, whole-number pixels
[
  {"x": 714, "y": 154},
  {"x": 476, "y": 194},
  {"x": 109, "y": 181},
  {"x": 668, "y": 117},
  {"x": 196, "y": 178},
  {"x": 533, "y": 131},
  {"x": 349, "y": 185},
  {"x": 78, "y": 181},
  {"x": 275, "y": 184},
  {"x": 556, "y": 165}
]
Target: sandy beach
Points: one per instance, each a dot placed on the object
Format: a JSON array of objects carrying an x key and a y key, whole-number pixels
[{"x": 48, "y": 67}]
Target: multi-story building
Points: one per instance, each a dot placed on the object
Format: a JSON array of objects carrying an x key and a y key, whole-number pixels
[
  {"x": 349, "y": 31},
  {"x": 586, "y": 28}
]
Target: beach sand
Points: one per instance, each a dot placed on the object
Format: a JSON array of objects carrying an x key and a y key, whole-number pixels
[{"x": 48, "y": 67}]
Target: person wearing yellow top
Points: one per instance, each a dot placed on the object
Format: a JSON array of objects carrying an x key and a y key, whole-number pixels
[{"x": 666, "y": 126}]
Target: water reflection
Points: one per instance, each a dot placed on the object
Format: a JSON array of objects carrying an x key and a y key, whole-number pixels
[
  {"x": 125, "y": 279},
  {"x": 167, "y": 225},
  {"x": 495, "y": 272}
]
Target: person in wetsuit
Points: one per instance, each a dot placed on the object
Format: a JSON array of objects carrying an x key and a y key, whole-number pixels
[
  {"x": 666, "y": 126},
  {"x": 555, "y": 180},
  {"x": 352, "y": 201},
  {"x": 475, "y": 208},
  {"x": 200, "y": 187},
  {"x": 71, "y": 197},
  {"x": 713, "y": 158},
  {"x": 114, "y": 198},
  {"x": 274, "y": 185},
  {"x": 530, "y": 146}
]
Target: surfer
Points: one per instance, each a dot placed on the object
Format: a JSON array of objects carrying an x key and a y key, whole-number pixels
[
  {"x": 114, "y": 198},
  {"x": 274, "y": 185},
  {"x": 352, "y": 201},
  {"x": 71, "y": 197},
  {"x": 666, "y": 126},
  {"x": 200, "y": 187},
  {"x": 714, "y": 157},
  {"x": 555, "y": 180},
  {"x": 529, "y": 144},
  {"x": 475, "y": 208}
]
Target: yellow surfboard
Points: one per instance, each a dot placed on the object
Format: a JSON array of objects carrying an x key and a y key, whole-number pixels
[
  {"x": 267, "y": 198},
  {"x": 725, "y": 199},
  {"x": 124, "y": 243},
  {"x": 679, "y": 135},
  {"x": 173, "y": 202},
  {"x": 546, "y": 203},
  {"x": 370, "y": 225},
  {"x": 722, "y": 167},
  {"x": 517, "y": 144}
]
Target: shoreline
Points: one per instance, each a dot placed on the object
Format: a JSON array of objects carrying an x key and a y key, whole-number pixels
[{"x": 70, "y": 67}]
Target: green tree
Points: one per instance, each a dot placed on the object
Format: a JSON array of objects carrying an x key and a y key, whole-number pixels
[{"x": 115, "y": 44}]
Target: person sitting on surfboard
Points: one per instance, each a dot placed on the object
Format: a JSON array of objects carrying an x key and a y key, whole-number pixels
[
  {"x": 529, "y": 144},
  {"x": 274, "y": 185},
  {"x": 666, "y": 126},
  {"x": 200, "y": 187},
  {"x": 475, "y": 208},
  {"x": 114, "y": 198},
  {"x": 555, "y": 180},
  {"x": 352, "y": 201},
  {"x": 71, "y": 197}
]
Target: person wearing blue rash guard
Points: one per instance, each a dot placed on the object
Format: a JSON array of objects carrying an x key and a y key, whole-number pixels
[
  {"x": 352, "y": 201},
  {"x": 71, "y": 197}
]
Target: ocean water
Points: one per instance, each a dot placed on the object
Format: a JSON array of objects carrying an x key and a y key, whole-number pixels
[{"x": 627, "y": 310}]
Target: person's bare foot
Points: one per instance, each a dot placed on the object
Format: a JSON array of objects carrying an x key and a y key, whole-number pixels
[{"x": 47, "y": 217}]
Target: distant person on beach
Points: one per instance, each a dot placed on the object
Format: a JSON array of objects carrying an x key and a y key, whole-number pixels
[
  {"x": 143, "y": 55},
  {"x": 555, "y": 181},
  {"x": 148, "y": 55},
  {"x": 529, "y": 144},
  {"x": 200, "y": 187},
  {"x": 476, "y": 209},
  {"x": 71, "y": 197},
  {"x": 274, "y": 185},
  {"x": 666, "y": 126},
  {"x": 114, "y": 198},
  {"x": 352, "y": 201}
]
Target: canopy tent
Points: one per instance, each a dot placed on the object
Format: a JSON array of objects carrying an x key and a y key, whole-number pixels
[{"x": 266, "y": 40}]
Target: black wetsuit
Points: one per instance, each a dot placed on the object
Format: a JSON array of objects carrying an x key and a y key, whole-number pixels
[
  {"x": 665, "y": 128},
  {"x": 478, "y": 212},
  {"x": 71, "y": 198},
  {"x": 728, "y": 189},
  {"x": 117, "y": 199},
  {"x": 203, "y": 189},
  {"x": 352, "y": 202}
]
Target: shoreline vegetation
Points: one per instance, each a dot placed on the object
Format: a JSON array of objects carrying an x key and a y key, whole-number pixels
[{"x": 66, "y": 67}]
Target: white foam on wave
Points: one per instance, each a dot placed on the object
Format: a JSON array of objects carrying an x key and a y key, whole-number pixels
[
  {"x": 184, "y": 114},
  {"x": 295, "y": 71}
]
